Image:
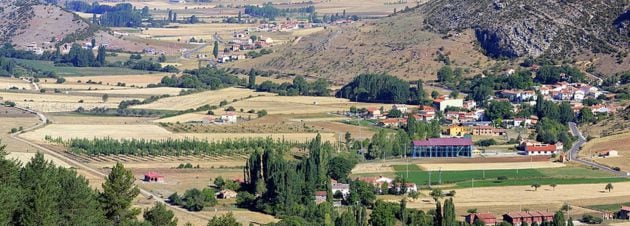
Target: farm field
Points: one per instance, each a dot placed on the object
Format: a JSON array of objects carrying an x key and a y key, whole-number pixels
[
  {"x": 138, "y": 80},
  {"x": 488, "y": 178},
  {"x": 49, "y": 102},
  {"x": 77, "y": 71},
  {"x": 489, "y": 166},
  {"x": 213, "y": 97},
  {"x": 138, "y": 91},
  {"x": 619, "y": 143},
  {"x": 301, "y": 105},
  {"x": 67, "y": 131},
  {"x": 7, "y": 83},
  {"x": 82, "y": 119},
  {"x": 515, "y": 197},
  {"x": 7, "y": 122}
]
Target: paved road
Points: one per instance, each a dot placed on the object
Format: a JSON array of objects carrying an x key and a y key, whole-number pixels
[
  {"x": 43, "y": 120},
  {"x": 575, "y": 150},
  {"x": 192, "y": 51}
]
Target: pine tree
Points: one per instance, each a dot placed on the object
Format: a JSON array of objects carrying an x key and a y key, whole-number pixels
[
  {"x": 78, "y": 202},
  {"x": 224, "y": 220},
  {"x": 39, "y": 206},
  {"x": 10, "y": 194},
  {"x": 215, "y": 49},
  {"x": 160, "y": 215},
  {"x": 239, "y": 16},
  {"x": 93, "y": 42},
  {"x": 94, "y": 19},
  {"x": 170, "y": 16},
  {"x": 118, "y": 193}
]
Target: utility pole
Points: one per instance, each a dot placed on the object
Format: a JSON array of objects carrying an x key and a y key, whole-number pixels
[
  {"x": 430, "y": 179},
  {"x": 440, "y": 176}
]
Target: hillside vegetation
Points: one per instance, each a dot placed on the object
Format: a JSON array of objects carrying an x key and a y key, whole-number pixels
[
  {"x": 417, "y": 42},
  {"x": 28, "y": 21}
]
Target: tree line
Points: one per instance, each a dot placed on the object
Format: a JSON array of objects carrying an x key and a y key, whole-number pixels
[
  {"x": 271, "y": 12},
  {"x": 204, "y": 78},
  {"x": 382, "y": 88},
  {"x": 299, "y": 87},
  {"x": 171, "y": 147}
]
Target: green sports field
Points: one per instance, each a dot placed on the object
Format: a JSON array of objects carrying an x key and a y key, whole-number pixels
[
  {"x": 77, "y": 71},
  {"x": 488, "y": 178}
]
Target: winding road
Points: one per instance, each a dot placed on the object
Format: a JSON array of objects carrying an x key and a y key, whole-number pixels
[
  {"x": 44, "y": 120},
  {"x": 575, "y": 150}
]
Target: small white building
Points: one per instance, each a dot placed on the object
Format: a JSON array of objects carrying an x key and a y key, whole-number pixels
[
  {"x": 229, "y": 117},
  {"x": 442, "y": 104},
  {"x": 401, "y": 107},
  {"x": 344, "y": 189}
]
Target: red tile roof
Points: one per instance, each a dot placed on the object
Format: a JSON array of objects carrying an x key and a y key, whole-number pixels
[
  {"x": 320, "y": 193},
  {"x": 551, "y": 147},
  {"x": 485, "y": 216},
  {"x": 443, "y": 142}
]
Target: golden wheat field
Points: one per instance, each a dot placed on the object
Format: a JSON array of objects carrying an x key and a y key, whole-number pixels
[
  {"x": 302, "y": 104},
  {"x": 619, "y": 143},
  {"x": 153, "y": 132},
  {"x": 8, "y": 83},
  {"x": 60, "y": 102},
  {"x": 195, "y": 100},
  {"x": 129, "y": 80},
  {"x": 138, "y": 91}
]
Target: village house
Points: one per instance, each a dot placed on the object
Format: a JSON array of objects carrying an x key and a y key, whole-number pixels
[
  {"x": 426, "y": 113},
  {"x": 342, "y": 188},
  {"x": 540, "y": 149},
  {"x": 470, "y": 104},
  {"x": 486, "y": 218},
  {"x": 608, "y": 153},
  {"x": 518, "y": 218},
  {"x": 487, "y": 131},
  {"x": 374, "y": 113},
  {"x": 392, "y": 122},
  {"x": 153, "y": 177},
  {"x": 229, "y": 117},
  {"x": 443, "y": 102},
  {"x": 401, "y": 107},
  {"x": 457, "y": 131},
  {"x": 320, "y": 197},
  {"x": 408, "y": 187}
]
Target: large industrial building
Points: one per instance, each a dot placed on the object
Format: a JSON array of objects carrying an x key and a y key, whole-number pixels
[{"x": 442, "y": 148}]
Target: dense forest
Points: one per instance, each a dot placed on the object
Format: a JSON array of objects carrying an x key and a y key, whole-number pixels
[
  {"x": 40, "y": 193},
  {"x": 171, "y": 147},
  {"x": 299, "y": 86},
  {"x": 203, "y": 78},
  {"x": 270, "y": 12},
  {"x": 120, "y": 15},
  {"x": 381, "y": 88}
]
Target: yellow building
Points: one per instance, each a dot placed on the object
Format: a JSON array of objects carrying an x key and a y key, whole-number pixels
[{"x": 456, "y": 131}]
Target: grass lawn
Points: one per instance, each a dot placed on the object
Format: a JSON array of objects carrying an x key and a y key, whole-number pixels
[
  {"x": 488, "y": 178},
  {"x": 608, "y": 207},
  {"x": 77, "y": 71}
]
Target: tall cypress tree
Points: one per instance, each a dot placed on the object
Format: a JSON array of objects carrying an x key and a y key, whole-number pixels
[
  {"x": 100, "y": 57},
  {"x": 118, "y": 193},
  {"x": 449, "y": 213},
  {"x": 215, "y": 49},
  {"x": 252, "y": 79},
  {"x": 558, "y": 219},
  {"x": 438, "y": 218}
]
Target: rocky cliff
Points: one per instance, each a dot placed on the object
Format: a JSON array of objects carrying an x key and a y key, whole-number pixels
[{"x": 514, "y": 28}]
